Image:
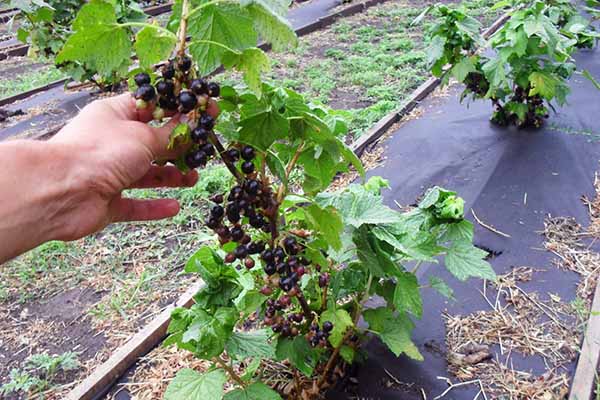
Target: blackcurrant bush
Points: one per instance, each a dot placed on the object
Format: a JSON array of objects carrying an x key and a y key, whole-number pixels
[
  {"x": 199, "y": 87},
  {"x": 185, "y": 63},
  {"x": 233, "y": 208},
  {"x": 297, "y": 317},
  {"x": 206, "y": 121},
  {"x": 277, "y": 328},
  {"x": 324, "y": 279},
  {"x": 246, "y": 239},
  {"x": 267, "y": 256},
  {"x": 270, "y": 269},
  {"x": 187, "y": 101},
  {"x": 249, "y": 263},
  {"x": 293, "y": 292},
  {"x": 241, "y": 252},
  {"x": 304, "y": 261},
  {"x": 223, "y": 232},
  {"x": 233, "y": 154},
  {"x": 217, "y": 212},
  {"x": 290, "y": 244},
  {"x": 267, "y": 291},
  {"x": 314, "y": 327},
  {"x": 142, "y": 79},
  {"x": 285, "y": 301},
  {"x": 248, "y": 153},
  {"x": 233, "y": 217},
  {"x": 165, "y": 88},
  {"x": 300, "y": 271},
  {"x": 286, "y": 331},
  {"x": 214, "y": 90},
  {"x": 327, "y": 326},
  {"x": 281, "y": 268},
  {"x": 253, "y": 248},
  {"x": 257, "y": 222},
  {"x": 195, "y": 159},
  {"x": 216, "y": 198},
  {"x": 199, "y": 134},
  {"x": 237, "y": 233},
  {"x": 229, "y": 258},
  {"x": 248, "y": 167},
  {"x": 294, "y": 331},
  {"x": 260, "y": 246},
  {"x": 279, "y": 253},
  {"x": 208, "y": 149},
  {"x": 145, "y": 92}
]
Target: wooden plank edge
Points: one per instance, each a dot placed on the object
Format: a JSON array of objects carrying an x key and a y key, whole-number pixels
[
  {"x": 586, "y": 371},
  {"x": 29, "y": 93},
  {"x": 107, "y": 373},
  {"x": 418, "y": 95}
]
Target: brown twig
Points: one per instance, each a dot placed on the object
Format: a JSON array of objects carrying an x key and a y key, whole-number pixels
[
  {"x": 307, "y": 312},
  {"x": 212, "y": 137},
  {"x": 288, "y": 171},
  {"x": 230, "y": 371},
  {"x": 182, "y": 32}
]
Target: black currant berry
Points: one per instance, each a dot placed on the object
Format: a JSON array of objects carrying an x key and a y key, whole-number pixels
[
  {"x": 165, "y": 88},
  {"x": 185, "y": 63},
  {"x": 199, "y": 134},
  {"x": 277, "y": 328},
  {"x": 240, "y": 252},
  {"x": 267, "y": 291},
  {"x": 229, "y": 258},
  {"x": 327, "y": 326},
  {"x": 267, "y": 256},
  {"x": 300, "y": 271},
  {"x": 216, "y": 198},
  {"x": 212, "y": 222},
  {"x": 217, "y": 212},
  {"x": 142, "y": 79},
  {"x": 281, "y": 268},
  {"x": 168, "y": 71},
  {"x": 195, "y": 159},
  {"x": 248, "y": 153},
  {"x": 233, "y": 154},
  {"x": 248, "y": 167},
  {"x": 214, "y": 90},
  {"x": 249, "y": 263},
  {"x": 199, "y": 87},
  {"x": 323, "y": 279},
  {"x": 257, "y": 222},
  {"x": 187, "y": 101},
  {"x": 270, "y": 269},
  {"x": 237, "y": 233},
  {"x": 279, "y": 253},
  {"x": 286, "y": 331},
  {"x": 207, "y": 122},
  {"x": 145, "y": 92},
  {"x": 168, "y": 103},
  {"x": 223, "y": 232},
  {"x": 233, "y": 217},
  {"x": 252, "y": 186},
  {"x": 208, "y": 149}
]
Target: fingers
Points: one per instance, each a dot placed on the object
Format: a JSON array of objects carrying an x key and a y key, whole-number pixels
[
  {"x": 125, "y": 210},
  {"x": 168, "y": 176}
]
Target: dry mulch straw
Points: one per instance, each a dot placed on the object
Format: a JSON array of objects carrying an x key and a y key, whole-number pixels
[{"x": 525, "y": 323}]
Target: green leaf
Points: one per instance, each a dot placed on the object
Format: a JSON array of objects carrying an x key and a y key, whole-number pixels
[
  {"x": 341, "y": 321},
  {"x": 435, "y": 51},
  {"x": 458, "y": 231},
  {"x": 359, "y": 206},
  {"x": 210, "y": 333},
  {"x": 179, "y": 136},
  {"x": 242, "y": 345},
  {"x": 543, "y": 84},
  {"x": 98, "y": 41},
  {"x": 591, "y": 78},
  {"x": 465, "y": 261},
  {"x": 153, "y": 45},
  {"x": 256, "y": 391},
  {"x": 249, "y": 300},
  {"x": 347, "y": 353},
  {"x": 463, "y": 68},
  {"x": 270, "y": 22},
  {"x": 441, "y": 287},
  {"x": 252, "y": 63},
  {"x": 407, "y": 296},
  {"x": 209, "y": 265},
  {"x": 393, "y": 330},
  {"x": 191, "y": 385},
  {"x": 371, "y": 254},
  {"x": 299, "y": 353},
  {"x": 495, "y": 72},
  {"x": 261, "y": 123},
  {"x": 327, "y": 222},
  {"x": 376, "y": 183},
  {"x": 225, "y": 24}
]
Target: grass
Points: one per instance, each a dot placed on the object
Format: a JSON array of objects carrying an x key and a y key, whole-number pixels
[
  {"x": 29, "y": 80},
  {"x": 367, "y": 64}
]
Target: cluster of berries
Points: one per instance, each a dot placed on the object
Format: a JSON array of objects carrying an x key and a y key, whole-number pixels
[
  {"x": 180, "y": 90},
  {"x": 318, "y": 337}
]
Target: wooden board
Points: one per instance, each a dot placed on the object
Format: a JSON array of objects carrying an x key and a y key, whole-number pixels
[
  {"x": 587, "y": 366},
  {"x": 106, "y": 374}
]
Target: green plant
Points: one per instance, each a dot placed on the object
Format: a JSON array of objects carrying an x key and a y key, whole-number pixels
[
  {"x": 303, "y": 260},
  {"x": 47, "y": 26},
  {"x": 530, "y": 66},
  {"x": 40, "y": 372}
]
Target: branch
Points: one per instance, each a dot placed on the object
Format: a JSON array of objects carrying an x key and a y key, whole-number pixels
[
  {"x": 182, "y": 32},
  {"x": 228, "y": 163},
  {"x": 230, "y": 371},
  {"x": 288, "y": 171},
  {"x": 305, "y": 307}
]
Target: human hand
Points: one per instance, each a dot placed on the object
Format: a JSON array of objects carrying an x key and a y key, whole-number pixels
[{"x": 112, "y": 149}]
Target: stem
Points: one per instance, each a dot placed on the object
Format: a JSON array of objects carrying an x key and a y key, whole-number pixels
[
  {"x": 288, "y": 171},
  {"x": 228, "y": 163},
  {"x": 210, "y": 3},
  {"x": 229, "y": 370},
  {"x": 145, "y": 25},
  {"x": 336, "y": 351},
  {"x": 417, "y": 266},
  {"x": 182, "y": 32},
  {"x": 305, "y": 308}
]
